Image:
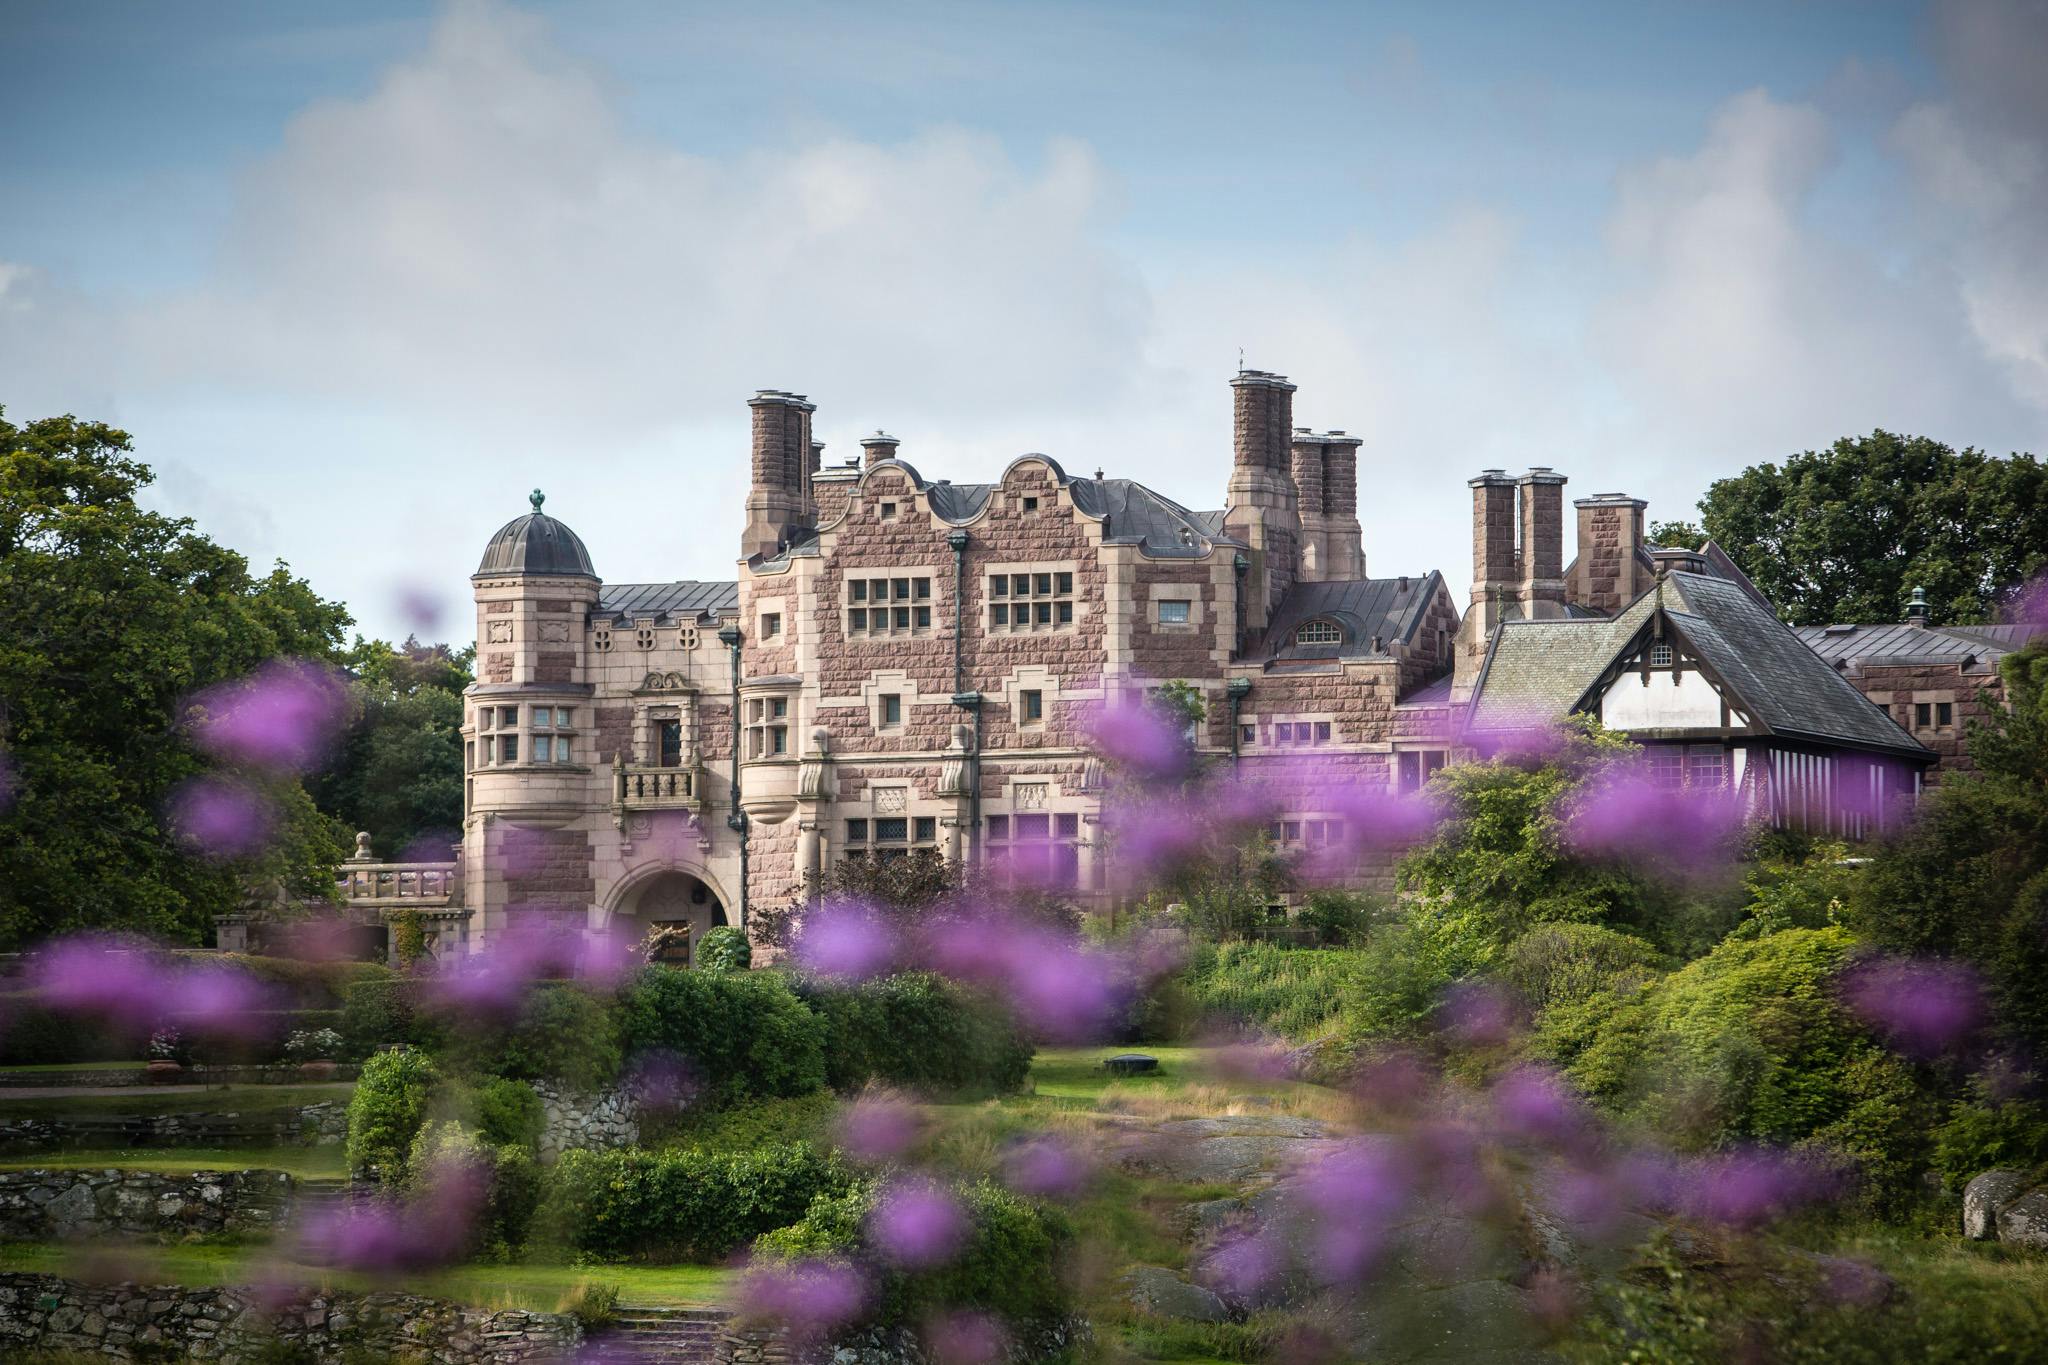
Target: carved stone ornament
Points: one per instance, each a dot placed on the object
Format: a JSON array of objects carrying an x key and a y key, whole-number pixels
[{"x": 665, "y": 682}]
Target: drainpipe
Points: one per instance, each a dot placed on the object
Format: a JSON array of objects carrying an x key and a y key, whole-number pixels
[
  {"x": 1237, "y": 689},
  {"x": 962, "y": 698},
  {"x": 736, "y": 819},
  {"x": 1239, "y": 567}
]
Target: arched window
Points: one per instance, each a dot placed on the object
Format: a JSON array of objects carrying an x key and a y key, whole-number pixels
[{"x": 1318, "y": 633}]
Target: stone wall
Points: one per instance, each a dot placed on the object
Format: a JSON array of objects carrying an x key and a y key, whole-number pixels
[
  {"x": 602, "y": 1121},
  {"x": 37, "y": 1205},
  {"x": 310, "y": 1125},
  {"x": 127, "y": 1321},
  {"x": 753, "y": 1345}
]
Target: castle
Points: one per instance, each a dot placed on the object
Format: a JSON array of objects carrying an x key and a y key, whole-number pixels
[{"x": 910, "y": 663}]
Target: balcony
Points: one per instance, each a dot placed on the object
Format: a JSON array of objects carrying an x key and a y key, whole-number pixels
[
  {"x": 379, "y": 885},
  {"x": 647, "y": 787}
]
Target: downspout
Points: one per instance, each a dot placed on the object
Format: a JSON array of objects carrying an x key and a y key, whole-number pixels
[
  {"x": 736, "y": 819},
  {"x": 969, "y": 701},
  {"x": 1239, "y": 567},
  {"x": 1237, "y": 689}
]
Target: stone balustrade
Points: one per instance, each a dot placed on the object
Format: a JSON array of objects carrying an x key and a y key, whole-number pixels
[
  {"x": 639, "y": 786},
  {"x": 400, "y": 884}
]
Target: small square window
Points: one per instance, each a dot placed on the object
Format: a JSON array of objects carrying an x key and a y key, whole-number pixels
[
  {"x": 857, "y": 620},
  {"x": 508, "y": 716},
  {"x": 1173, "y": 613},
  {"x": 924, "y": 589},
  {"x": 508, "y": 748},
  {"x": 561, "y": 748},
  {"x": 999, "y": 614},
  {"x": 1322, "y": 732},
  {"x": 1042, "y": 584},
  {"x": 1067, "y": 826},
  {"x": 1020, "y": 585},
  {"x": 878, "y": 589},
  {"x": 903, "y": 618},
  {"x": 1044, "y": 613},
  {"x": 543, "y": 749},
  {"x": 1660, "y": 656},
  {"x": 892, "y": 709},
  {"x": 561, "y": 717},
  {"x": 771, "y": 624},
  {"x": 778, "y": 739},
  {"x": 927, "y": 828},
  {"x": 1033, "y": 705},
  {"x": 999, "y": 586},
  {"x": 892, "y": 830},
  {"x": 1944, "y": 714},
  {"x": 902, "y": 588},
  {"x": 1032, "y": 826},
  {"x": 856, "y": 831},
  {"x": 1065, "y": 582},
  {"x": 859, "y": 589},
  {"x": 924, "y": 618},
  {"x": 543, "y": 717},
  {"x": 778, "y": 707},
  {"x": 888, "y": 511},
  {"x": 999, "y": 827},
  {"x": 1031, "y": 504},
  {"x": 1923, "y": 715},
  {"x": 1248, "y": 734},
  {"x": 1066, "y": 613}
]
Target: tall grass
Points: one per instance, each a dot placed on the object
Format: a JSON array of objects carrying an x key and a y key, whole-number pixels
[{"x": 1298, "y": 993}]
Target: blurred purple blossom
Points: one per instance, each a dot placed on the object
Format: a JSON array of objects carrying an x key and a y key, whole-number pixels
[
  {"x": 216, "y": 999},
  {"x": 1750, "y": 1187},
  {"x": 1626, "y": 813},
  {"x": 1244, "y": 1269},
  {"x": 1059, "y": 988},
  {"x": 966, "y": 1338},
  {"x": 808, "y": 1298},
  {"x": 1260, "y": 1062},
  {"x": 285, "y": 716},
  {"x": 663, "y": 1082},
  {"x": 381, "y": 1236},
  {"x": 222, "y": 817},
  {"x": 1348, "y": 1198},
  {"x": 1047, "y": 1167},
  {"x": 111, "y": 979},
  {"x": 1393, "y": 1083},
  {"x": 1533, "y": 1104},
  {"x": 1137, "y": 736},
  {"x": 1923, "y": 1008},
  {"x": 1478, "y": 1014},
  {"x": 917, "y": 1225},
  {"x": 879, "y": 1129},
  {"x": 422, "y": 608},
  {"x": 846, "y": 941}
]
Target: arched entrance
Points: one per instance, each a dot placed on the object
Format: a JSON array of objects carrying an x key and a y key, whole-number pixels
[{"x": 668, "y": 900}]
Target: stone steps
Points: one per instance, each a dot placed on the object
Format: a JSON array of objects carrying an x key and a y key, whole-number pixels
[{"x": 658, "y": 1336}]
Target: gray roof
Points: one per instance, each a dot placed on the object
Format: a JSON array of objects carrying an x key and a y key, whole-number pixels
[
  {"x": 1542, "y": 669},
  {"x": 535, "y": 544},
  {"x": 1388, "y": 609},
  {"x": 1976, "y": 648},
  {"x": 666, "y": 602}
]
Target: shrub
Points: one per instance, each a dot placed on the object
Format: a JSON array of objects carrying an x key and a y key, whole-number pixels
[
  {"x": 1339, "y": 919},
  {"x": 1982, "y": 1132},
  {"x": 1562, "y": 964},
  {"x": 750, "y": 1124},
  {"x": 1010, "y": 1265},
  {"x": 385, "y": 1012},
  {"x": 1299, "y": 993},
  {"x": 684, "y": 1203},
  {"x": 725, "y": 949},
  {"x": 509, "y": 1113},
  {"x": 312, "y": 1045},
  {"x": 745, "y": 1033},
  {"x": 33, "y": 1036},
  {"x": 918, "y": 1031},
  {"x": 306, "y": 984},
  {"x": 560, "y": 1034},
  {"x": 592, "y": 1305},
  {"x": 387, "y": 1110},
  {"x": 508, "y": 1177}
]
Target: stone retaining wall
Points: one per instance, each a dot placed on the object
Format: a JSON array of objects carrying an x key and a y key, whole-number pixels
[
  {"x": 599, "y": 1122},
  {"x": 38, "y": 1205},
  {"x": 127, "y": 1321},
  {"x": 280, "y": 1074},
  {"x": 309, "y": 1125},
  {"x": 743, "y": 1345}
]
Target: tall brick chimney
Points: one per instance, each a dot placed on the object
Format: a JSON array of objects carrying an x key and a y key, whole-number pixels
[
  {"x": 1325, "y": 471},
  {"x": 1541, "y": 587},
  {"x": 1305, "y": 466},
  {"x": 777, "y": 501},
  {"x": 878, "y": 447},
  {"x": 1496, "y": 574},
  {"x": 1604, "y": 578},
  {"x": 1262, "y": 506}
]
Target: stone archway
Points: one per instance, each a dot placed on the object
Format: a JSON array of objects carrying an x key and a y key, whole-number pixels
[{"x": 667, "y": 899}]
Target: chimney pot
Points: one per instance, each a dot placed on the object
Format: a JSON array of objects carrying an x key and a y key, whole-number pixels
[{"x": 879, "y": 447}]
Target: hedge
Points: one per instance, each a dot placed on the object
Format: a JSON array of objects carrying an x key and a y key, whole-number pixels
[
  {"x": 561, "y": 1033},
  {"x": 386, "y": 1112},
  {"x": 381, "y": 1013},
  {"x": 684, "y": 1203},
  {"x": 918, "y": 1031},
  {"x": 744, "y": 1034}
]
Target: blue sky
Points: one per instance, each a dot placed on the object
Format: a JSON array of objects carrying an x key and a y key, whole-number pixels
[{"x": 356, "y": 276}]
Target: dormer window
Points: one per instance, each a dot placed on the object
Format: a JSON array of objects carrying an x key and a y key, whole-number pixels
[{"x": 1318, "y": 633}]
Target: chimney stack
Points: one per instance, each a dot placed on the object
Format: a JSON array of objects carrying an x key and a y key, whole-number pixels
[
  {"x": 1344, "y": 540},
  {"x": 1605, "y": 577},
  {"x": 1262, "y": 506},
  {"x": 879, "y": 447},
  {"x": 1496, "y": 574},
  {"x": 777, "y": 504},
  {"x": 1541, "y": 588}
]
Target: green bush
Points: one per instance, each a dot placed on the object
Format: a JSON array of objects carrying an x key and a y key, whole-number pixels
[
  {"x": 508, "y": 1175},
  {"x": 560, "y": 1034},
  {"x": 509, "y": 1113},
  {"x": 746, "y": 1033},
  {"x": 1981, "y": 1133},
  {"x": 306, "y": 984},
  {"x": 918, "y": 1031},
  {"x": 1011, "y": 1264},
  {"x": 1298, "y": 993},
  {"x": 387, "y": 1110},
  {"x": 725, "y": 949},
  {"x": 684, "y": 1203},
  {"x": 748, "y": 1124},
  {"x": 385, "y": 1012},
  {"x": 1339, "y": 919},
  {"x": 1562, "y": 964},
  {"x": 592, "y": 1305}
]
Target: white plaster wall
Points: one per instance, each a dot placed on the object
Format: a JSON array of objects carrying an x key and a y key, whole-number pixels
[{"x": 1670, "y": 701}]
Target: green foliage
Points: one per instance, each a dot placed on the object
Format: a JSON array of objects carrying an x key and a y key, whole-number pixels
[
  {"x": 593, "y": 1305},
  {"x": 507, "y": 1174},
  {"x": 1845, "y": 534},
  {"x": 1562, "y": 964},
  {"x": 746, "y": 1033},
  {"x": 1010, "y": 1265},
  {"x": 1809, "y": 891},
  {"x": 311, "y": 985},
  {"x": 1968, "y": 877},
  {"x": 399, "y": 772},
  {"x": 1298, "y": 993},
  {"x": 509, "y": 1113},
  {"x": 1338, "y": 919},
  {"x": 918, "y": 1031},
  {"x": 1678, "y": 535},
  {"x": 1402, "y": 976},
  {"x": 751, "y": 1124},
  {"x": 684, "y": 1202},
  {"x": 561, "y": 1033},
  {"x": 1982, "y": 1132},
  {"x": 725, "y": 949},
  {"x": 110, "y": 616},
  {"x": 408, "y": 937},
  {"x": 908, "y": 883},
  {"x": 387, "y": 1110},
  {"x": 383, "y": 1012}
]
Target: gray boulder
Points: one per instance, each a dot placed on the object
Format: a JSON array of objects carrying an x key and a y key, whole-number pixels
[
  {"x": 2024, "y": 1222},
  {"x": 1155, "y": 1289},
  {"x": 1983, "y": 1198}
]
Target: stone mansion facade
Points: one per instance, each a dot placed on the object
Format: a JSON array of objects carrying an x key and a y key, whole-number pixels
[{"x": 904, "y": 662}]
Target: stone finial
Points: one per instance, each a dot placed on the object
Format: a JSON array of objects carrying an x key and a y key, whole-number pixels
[{"x": 362, "y": 853}]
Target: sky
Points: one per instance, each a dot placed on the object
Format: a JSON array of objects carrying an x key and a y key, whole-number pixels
[{"x": 357, "y": 276}]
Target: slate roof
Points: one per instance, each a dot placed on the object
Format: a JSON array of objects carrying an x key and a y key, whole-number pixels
[
  {"x": 666, "y": 602},
  {"x": 1389, "y": 608},
  {"x": 1539, "y": 670},
  {"x": 1977, "y": 648}
]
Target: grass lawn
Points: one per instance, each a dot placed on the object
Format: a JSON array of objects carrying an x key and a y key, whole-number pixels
[
  {"x": 41, "y": 1067},
  {"x": 304, "y": 1163},
  {"x": 241, "y": 1099},
  {"x": 541, "y": 1287}
]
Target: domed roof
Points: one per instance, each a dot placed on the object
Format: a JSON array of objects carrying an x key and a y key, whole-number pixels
[{"x": 536, "y": 544}]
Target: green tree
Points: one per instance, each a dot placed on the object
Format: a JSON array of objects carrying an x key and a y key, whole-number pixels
[
  {"x": 1847, "y": 533},
  {"x": 1677, "y": 535},
  {"x": 399, "y": 772},
  {"x": 110, "y": 616}
]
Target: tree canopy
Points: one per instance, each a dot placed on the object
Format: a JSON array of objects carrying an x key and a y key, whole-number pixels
[
  {"x": 1847, "y": 533},
  {"x": 399, "y": 772},
  {"x": 111, "y": 617}
]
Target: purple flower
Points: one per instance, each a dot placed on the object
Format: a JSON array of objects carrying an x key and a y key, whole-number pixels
[
  {"x": 222, "y": 818},
  {"x": 1627, "y": 814},
  {"x": 1393, "y": 1083},
  {"x": 966, "y": 1338},
  {"x": 1923, "y": 1008},
  {"x": 1477, "y": 1014},
  {"x": 1047, "y": 1167},
  {"x": 380, "y": 1236},
  {"x": 1533, "y": 1103},
  {"x": 809, "y": 1298},
  {"x": 663, "y": 1082},
  {"x": 216, "y": 999},
  {"x": 1748, "y": 1188},
  {"x": 878, "y": 1130},
  {"x": 106, "y": 978},
  {"x": 422, "y": 607},
  {"x": 1058, "y": 988},
  {"x": 1348, "y": 1198},
  {"x": 917, "y": 1226},
  {"x": 285, "y": 716},
  {"x": 1137, "y": 736},
  {"x": 846, "y": 942},
  {"x": 1244, "y": 1269}
]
